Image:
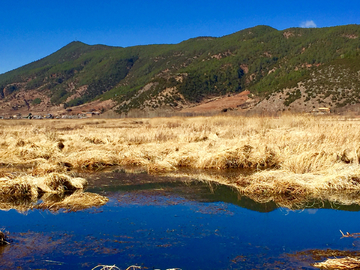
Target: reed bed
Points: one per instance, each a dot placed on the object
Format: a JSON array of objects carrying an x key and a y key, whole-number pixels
[{"x": 291, "y": 154}]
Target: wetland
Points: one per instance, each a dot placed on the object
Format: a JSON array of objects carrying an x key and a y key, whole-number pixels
[
  {"x": 164, "y": 222},
  {"x": 221, "y": 192}
]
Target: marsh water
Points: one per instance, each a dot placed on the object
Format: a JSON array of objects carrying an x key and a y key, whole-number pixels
[{"x": 163, "y": 223}]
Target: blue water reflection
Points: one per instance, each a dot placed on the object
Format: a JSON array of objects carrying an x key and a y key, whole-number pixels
[{"x": 163, "y": 227}]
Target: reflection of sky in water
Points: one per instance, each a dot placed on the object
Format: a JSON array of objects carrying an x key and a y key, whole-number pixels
[
  {"x": 164, "y": 231},
  {"x": 311, "y": 211}
]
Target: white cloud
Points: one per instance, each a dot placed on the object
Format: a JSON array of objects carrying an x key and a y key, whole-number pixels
[{"x": 308, "y": 24}]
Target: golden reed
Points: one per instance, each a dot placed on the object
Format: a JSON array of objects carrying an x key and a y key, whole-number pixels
[{"x": 291, "y": 154}]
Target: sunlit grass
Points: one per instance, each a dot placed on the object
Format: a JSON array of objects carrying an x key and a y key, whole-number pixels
[{"x": 291, "y": 154}]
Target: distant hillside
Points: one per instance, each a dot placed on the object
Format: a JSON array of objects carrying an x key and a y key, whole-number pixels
[{"x": 297, "y": 69}]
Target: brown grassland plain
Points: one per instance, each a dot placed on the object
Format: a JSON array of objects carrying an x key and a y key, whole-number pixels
[{"x": 293, "y": 159}]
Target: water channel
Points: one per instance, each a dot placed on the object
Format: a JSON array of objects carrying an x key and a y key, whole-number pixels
[{"x": 162, "y": 223}]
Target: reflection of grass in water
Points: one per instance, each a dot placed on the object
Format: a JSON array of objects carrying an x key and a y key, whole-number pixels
[
  {"x": 298, "y": 156},
  {"x": 285, "y": 191}
]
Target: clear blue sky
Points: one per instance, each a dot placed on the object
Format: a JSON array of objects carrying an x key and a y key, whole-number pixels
[{"x": 33, "y": 29}]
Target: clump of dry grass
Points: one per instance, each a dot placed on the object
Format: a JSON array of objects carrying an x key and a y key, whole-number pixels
[
  {"x": 29, "y": 187},
  {"x": 160, "y": 167},
  {"x": 17, "y": 188},
  {"x": 23, "y": 192},
  {"x": 3, "y": 239},
  {"x": 59, "y": 183},
  {"x": 74, "y": 202},
  {"x": 340, "y": 259},
  {"x": 339, "y": 178},
  {"x": 339, "y": 263},
  {"x": 92, "y": 159}
]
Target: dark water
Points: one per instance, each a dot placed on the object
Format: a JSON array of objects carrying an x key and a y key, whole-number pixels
[{"x": 174, "y": 224}]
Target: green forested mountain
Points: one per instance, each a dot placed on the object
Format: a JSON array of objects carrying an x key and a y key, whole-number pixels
[{"x": 263, "y": 60}]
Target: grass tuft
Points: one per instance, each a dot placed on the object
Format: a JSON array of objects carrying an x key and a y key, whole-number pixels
[
  {"x": 74, "y": 202},
  {"x": 3, "y": 239},
  {"x": 339, "y": 263}
]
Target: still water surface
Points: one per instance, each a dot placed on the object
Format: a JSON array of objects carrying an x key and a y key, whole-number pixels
[{"x": 161, "y": 223}]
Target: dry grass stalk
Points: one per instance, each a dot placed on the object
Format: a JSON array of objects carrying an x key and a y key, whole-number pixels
[
  {"x": 133, "y": 267},
  {"x": 348, "y": 235},
  {"x": 339, "y": 263},
  {"x": 106, "y": 267},
  {"x": 114, "y": 267}
]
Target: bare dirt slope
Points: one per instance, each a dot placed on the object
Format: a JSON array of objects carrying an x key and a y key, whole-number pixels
[{"x": 218, "y": 104}]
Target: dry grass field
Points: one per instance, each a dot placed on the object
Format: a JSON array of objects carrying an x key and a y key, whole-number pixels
[{"x": 292, "y": 158}]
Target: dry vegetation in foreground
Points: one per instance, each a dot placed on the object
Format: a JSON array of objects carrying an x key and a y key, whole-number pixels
[
  {"x": 294, "y": 157},
  {"x": 339, "y": 263},
  {"x": 340, "y": 259},
  {"x": 57, "y": 191}
]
